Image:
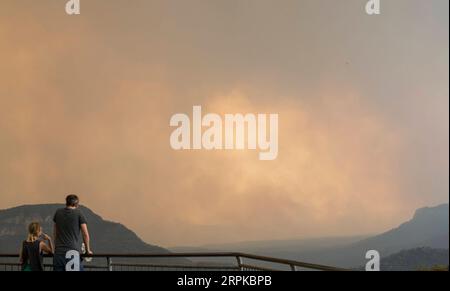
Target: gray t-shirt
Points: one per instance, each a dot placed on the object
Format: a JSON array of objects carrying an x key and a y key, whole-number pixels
[{"x": 68, "y": 230}]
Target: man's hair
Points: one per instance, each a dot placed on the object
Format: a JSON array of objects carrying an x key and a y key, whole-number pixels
[{"x": 72, "y": 200}]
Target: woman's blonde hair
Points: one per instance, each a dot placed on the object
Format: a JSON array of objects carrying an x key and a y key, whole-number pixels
[{"x": 33, "y": 231}]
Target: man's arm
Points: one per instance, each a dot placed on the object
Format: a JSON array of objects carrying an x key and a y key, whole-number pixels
[
  {"x": 86, "y": 238},
  {"x": 55, "y": 233}
]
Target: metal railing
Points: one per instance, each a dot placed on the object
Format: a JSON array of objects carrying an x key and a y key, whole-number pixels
[{"x": 234, "y": 261}]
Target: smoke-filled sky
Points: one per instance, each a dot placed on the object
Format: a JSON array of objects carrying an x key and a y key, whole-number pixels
[{"x": 85, "y": 104}]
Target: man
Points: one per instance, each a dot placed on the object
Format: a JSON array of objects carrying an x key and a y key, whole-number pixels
[{"x": 70, "y": 230}]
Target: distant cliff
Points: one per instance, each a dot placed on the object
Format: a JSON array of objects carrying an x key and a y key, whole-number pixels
[
  {"x": 427, "y": 232},
  {"x": 429, "y": 227}
]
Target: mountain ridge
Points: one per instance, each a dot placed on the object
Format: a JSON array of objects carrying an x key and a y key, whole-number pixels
[
  {"x": 428, "y": 228},
  {"x": 107, "y": 236}
]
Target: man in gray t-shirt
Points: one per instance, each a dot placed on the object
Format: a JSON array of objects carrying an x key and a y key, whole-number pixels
[
  {"x": 68, "y": 228},
  {"x": 70, "y": 231}
]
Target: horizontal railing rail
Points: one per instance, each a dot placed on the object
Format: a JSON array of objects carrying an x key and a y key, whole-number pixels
[{"x": 237, "y": 256}]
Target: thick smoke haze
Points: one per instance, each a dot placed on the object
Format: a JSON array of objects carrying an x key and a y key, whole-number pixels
[{"x": 85, "y": 104}]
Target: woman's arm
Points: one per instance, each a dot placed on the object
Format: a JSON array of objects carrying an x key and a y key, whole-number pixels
[
  {"x": 21, "y": 255},
  {"x": 47, "y": 248}
]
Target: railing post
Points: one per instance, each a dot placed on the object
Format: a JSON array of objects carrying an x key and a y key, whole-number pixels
[
  {"x": 293, "y": 268},
  {"x": 109, "y": 263},
  {"x": 239, "y": 262}
]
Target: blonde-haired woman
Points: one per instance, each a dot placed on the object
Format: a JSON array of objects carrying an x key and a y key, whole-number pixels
[{"x": 33, "y": 248}]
